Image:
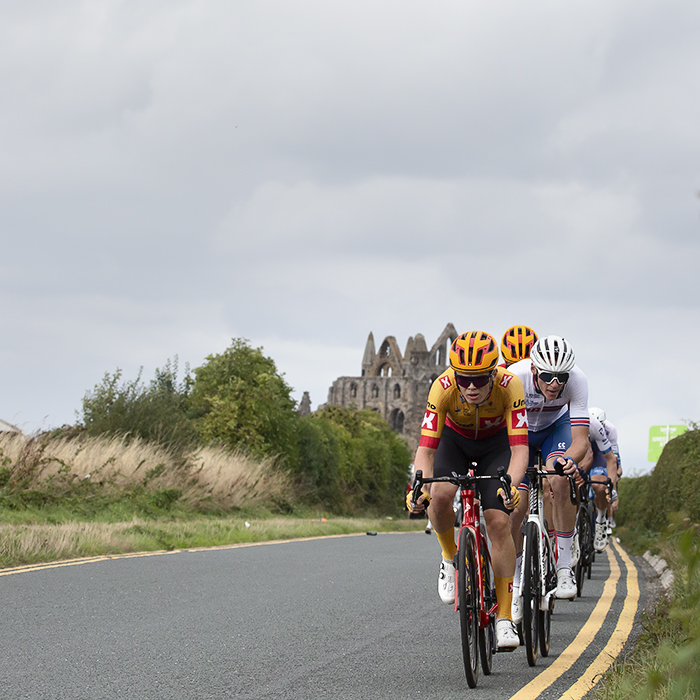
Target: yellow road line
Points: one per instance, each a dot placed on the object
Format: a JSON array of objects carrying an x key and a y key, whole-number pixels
[
  {"x": 585, "y": 636},
  {"x": 618, "y": 638},
  {"x": 133, "y": 555}
]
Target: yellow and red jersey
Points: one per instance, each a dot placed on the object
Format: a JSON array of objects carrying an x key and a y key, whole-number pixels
[{"x": 504, "y": 408}]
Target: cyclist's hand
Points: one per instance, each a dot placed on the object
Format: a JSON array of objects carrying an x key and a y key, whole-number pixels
[
  {"x": 567, "y": 466},
  {"x": 421, "y": 504},
  {"x": 514, "y": 501},
  {"x": 612, "y": 498}
]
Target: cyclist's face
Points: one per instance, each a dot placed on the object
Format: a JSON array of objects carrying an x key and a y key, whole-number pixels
[
  {"x": 476, "y": 395},
  {"x": 549, "y": 391}
]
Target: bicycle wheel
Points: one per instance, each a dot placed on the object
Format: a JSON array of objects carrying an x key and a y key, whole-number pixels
[
  {"x": 468, "y": 601},
  {"x": 487, "y": 635},
  {"x": 544, "y": 617},
  {"x": 582, "y": 527},
  {"x": 531, "y": 590}
]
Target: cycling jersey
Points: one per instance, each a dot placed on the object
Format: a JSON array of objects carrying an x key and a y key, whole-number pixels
[
  {"x": 599, "y": 443},
  {"x": 504, "y": 408},
  {"x": 611, "y": 432},
  {"x": 541, "y": 414}
]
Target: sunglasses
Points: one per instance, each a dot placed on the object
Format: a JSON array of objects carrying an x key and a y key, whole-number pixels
[
  {"x": 478, "y": 380},
  {"x": 549, "y": 377}
]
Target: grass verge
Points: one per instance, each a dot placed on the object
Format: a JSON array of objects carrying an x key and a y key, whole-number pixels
[
  {"x": 665, "y": 661},
  {"x": 33, "y": 543}
]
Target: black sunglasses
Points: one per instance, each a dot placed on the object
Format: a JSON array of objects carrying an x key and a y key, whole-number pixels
[
  {"x": 549, "y": 377},
  {"x": 478, "y": 380}
]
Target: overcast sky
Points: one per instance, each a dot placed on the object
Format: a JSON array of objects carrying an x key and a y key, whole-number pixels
[{"x": 175, "y": 174}]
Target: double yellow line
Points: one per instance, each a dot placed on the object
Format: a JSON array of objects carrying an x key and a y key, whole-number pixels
[{"x": 587, "y": 634}]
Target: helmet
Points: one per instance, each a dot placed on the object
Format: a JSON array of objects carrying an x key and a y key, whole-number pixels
[
  {"x": 598, "y": 414},
  {"x": 474, "y": 352},
  {"x": 517, "y": 343},
  {"x": 552, "y": 354}
]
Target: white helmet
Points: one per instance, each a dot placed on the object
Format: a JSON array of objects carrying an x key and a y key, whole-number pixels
[
  {"x": 552, "y": 354},
  {"x": 598, "y": 414}
]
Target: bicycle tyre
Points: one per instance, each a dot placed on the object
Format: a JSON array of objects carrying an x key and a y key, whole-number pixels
[
  {"x": 531, "y": 591},
  {"x": 582, "y": 527},
  {"x": 487, "y": 635},
  {"x": 467, "y": 599},
  {"x": 544, "y": 617}
]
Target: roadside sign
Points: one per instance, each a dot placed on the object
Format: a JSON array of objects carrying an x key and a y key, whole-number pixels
[{"x": 659, "y": 435}]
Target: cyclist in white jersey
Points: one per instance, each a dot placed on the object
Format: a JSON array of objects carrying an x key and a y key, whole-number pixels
[
  {"x": 556, "y": 398},
  {"x": 603, "y": 459}
]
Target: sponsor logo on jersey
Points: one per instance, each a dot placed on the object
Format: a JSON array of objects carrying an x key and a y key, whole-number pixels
[
  {"x": 446, "y": 383},
  {"x": 429, "y": 421},
  {"x": 519, "y": 419},
  {"x": 506, "y": 379},
  {"x": 485, "y": 422}
]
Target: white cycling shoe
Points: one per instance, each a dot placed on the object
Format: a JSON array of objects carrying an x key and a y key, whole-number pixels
[
  {"x": 600, "y": 541},
  {"x": 516, "y": 606},
  {"x": 506, "y": 634},
  {"x": 446, "y": 582},
  {"x": 566, "y": 585}
]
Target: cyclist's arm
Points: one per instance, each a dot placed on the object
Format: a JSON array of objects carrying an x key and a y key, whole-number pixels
[
  {"x": 425, "y": 458},
  {"x": 587, "y": 461},
  {"x": 579, "y": 443},
  {"x": 611, "y": 464},
  {"x": 519, "y": 457}
]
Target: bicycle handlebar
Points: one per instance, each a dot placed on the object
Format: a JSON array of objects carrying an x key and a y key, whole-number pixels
[
  {"x": 559, "y": 471},
  {"x": 461, "y": 480}
]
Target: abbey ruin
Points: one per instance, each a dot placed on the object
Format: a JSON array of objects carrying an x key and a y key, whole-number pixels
[{"x": 396, "y": 385}]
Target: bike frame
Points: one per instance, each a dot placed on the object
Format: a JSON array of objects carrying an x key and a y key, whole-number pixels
[
  {"x": 536, "y": 515},
  {"x": 471, "y": 522}
]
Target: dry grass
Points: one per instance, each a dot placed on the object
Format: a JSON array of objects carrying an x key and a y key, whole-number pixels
[
  {"x": 37, "y": 543},
  {"x": 226, "y": 479}
]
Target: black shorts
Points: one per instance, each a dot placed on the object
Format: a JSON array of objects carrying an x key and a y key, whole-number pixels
[{"x": 455, "y": 453}]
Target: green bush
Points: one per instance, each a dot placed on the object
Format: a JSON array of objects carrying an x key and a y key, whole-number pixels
[
  {"x": 674, "y": 485},
  {"x": 157, "y": 412},
  {"x": 350, "y": 460}
]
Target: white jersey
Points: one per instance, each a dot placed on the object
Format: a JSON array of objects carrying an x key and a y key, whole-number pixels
[
  {"x": 597, "y": 434},
  {"x": 611, "y": 432},
  {"x": 540, "y": 413}
]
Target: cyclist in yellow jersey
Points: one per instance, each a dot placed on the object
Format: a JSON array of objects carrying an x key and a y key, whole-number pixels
[{"x": 475, "y": 414}]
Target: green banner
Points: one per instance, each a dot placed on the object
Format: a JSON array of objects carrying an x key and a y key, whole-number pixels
[{"x": 659, "y": 435}]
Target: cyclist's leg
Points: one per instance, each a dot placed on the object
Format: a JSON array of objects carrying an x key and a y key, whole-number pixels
[
  {"x": 563, "y": 511},
  {"x": 449, "y": 457},
  {"x": 600, "y": 540},
  {"x": 495, "y": 453}
]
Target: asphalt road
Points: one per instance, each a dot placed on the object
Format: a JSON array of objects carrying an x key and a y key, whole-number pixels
[{"x": 344, "y": 618}]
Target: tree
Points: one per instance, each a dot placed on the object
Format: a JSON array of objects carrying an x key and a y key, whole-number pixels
[{"x": 240, "y": 399}]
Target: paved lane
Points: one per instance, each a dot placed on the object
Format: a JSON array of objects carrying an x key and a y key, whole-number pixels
[{"x": 352, "y": 617}]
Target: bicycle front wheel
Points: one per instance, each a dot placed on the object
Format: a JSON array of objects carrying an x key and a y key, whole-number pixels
[
  {"x": 487, "y": 635},
  {"x": 468, "y": 601},
  {"x": 531, "y": 590},
  {"x": 544, "y": 618}
]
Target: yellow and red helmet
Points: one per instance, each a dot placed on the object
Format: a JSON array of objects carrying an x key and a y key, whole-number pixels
[
  {"x": 517, "y": 343},
  {"x": 474, "y": 352}
]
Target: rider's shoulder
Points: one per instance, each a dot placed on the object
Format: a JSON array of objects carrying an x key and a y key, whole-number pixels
[
  {"x": 577, "y": 374},
  {"x": 521, "y": 369},
  {"x": 506, "y": 380}
]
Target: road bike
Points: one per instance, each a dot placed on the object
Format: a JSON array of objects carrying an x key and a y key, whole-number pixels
[
  {"x": 538, "y": 575},
  {"x": 475, "y": 598},
  {"x": 585, "y": 528}
]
